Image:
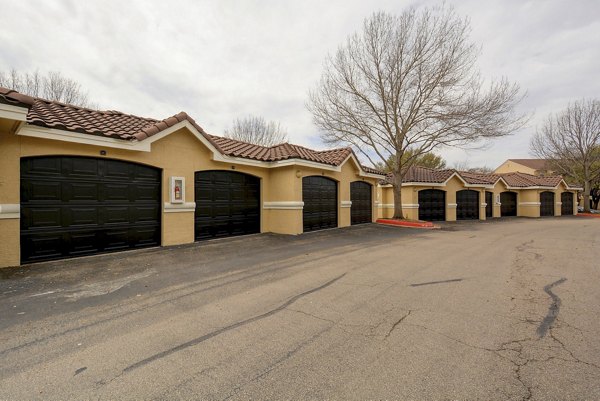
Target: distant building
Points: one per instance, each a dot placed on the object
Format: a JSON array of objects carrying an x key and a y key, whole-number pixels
[{"x": 539, "y": 167}]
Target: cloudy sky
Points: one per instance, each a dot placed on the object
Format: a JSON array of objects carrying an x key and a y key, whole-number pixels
[{"x": 218, "y": 60}]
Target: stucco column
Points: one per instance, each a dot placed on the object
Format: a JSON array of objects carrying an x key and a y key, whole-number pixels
[
  {"x": 482, "y": 204},
  {"x": 282, "y": 204},
  {"x": 10, "y": 223},
  {"x": 451, "y": 205}
]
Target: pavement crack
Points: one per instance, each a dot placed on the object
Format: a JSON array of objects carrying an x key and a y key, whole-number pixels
[
  {"x": 568, "y": 351},
  {"x": 279, "y": 361},
  {"x": 230, "y": 327},
  {"x": 553, "y": 310},
  {"x": 311, "y": 315},
  {"x": 397, "y": 323}
]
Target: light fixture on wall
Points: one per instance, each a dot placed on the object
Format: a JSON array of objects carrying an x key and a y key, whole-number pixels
[
  {"x": 298, "y": 173},
  {"x": 103, "y": 153}
]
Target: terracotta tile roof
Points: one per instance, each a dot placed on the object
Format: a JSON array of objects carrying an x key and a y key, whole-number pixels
[
  {"x": 283, "y": 151},
  {"x": 427, "y": 175},
  {"x": 522, "y": 180},
  {"x": 9, "y": 96},
  {"x": 536, "y": 164},
  {"x": 123, "y": 126},
  {"x": 478, "y": 178},
  {"x": 424, "y": 175}
]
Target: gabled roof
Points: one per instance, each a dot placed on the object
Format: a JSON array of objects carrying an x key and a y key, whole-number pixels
[
  {"x": 478, "y": 178},
  {"x": 522, "y": 180},
  {"x": 127, "y": 127},
  {"x": 282, "y": 151},
  {"x": 536, "y": 164},
  {"x": 428, "y": 175},
  {"x": 423, "y": 175}
]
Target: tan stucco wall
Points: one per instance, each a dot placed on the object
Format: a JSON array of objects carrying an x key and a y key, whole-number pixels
[
  {"x": 178, "y": 154},
  {"x": 386, "y": 205},
  {"x": 510, "y": 166},
  {"x": 349, "y": 173},
  {"x": 528, "y": 202}
]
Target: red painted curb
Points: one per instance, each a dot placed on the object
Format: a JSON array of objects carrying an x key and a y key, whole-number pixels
[
  {"x": 589, "y": 215},
  {"x": 405, "y": 223}
]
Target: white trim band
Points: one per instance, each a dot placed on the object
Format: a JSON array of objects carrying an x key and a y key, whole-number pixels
[
  {"x": 484, "y": 204},
  {"x": 559, "y": 203},
  {"x": 452, "y": 205},
  {"x": 10, "y": 211},
  {"x": 346, "y": 204},
  {"x": 11, "y": 112},
  {"x": 179, "y": 207},
  {"x": 530, "y": 203},
  {"x": 284, "y": 205}
]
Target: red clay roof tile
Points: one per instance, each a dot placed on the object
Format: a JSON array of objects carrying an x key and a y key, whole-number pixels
[{"x": 123, "y": 126}]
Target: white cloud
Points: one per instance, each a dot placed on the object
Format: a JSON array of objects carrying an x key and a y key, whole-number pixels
[{"x": 218, "y": 60}]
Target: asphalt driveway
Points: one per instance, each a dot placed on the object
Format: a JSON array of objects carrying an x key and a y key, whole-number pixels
[{"x": 497, "y": 310}]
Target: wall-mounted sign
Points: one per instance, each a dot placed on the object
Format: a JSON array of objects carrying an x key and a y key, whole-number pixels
[{"x": 177, "y": 189}]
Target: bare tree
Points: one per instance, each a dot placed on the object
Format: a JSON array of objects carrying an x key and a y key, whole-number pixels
[
  {"x": 571, "y": 141},
  {"x": 410, "y": 82},
  {"x": 52, "y": 86},
  {"x": 256, "y": 130},
  {"x": 466, "y": 166},
  {"x": 429, "y": 160}
]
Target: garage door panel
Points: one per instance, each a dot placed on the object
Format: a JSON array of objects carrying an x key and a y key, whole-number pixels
[
  {"x": 44, "y": 166},
  {"x": 489, "y": 200},
  {"x": 41, "y": 191},
  {"x": 116, "y": 214},
  {"x": 319, "y": 195},
  {"x": 432, "y": 205},
  {"x": 83, "y": 242},
  {"x": 146, "y": 192},
  {"x": 81, "y": 191},
  {"x": 227, "y": 204},
  {"x": 508, "y": 202},
  {"x": 41, "y": 217},
  {"x": 567, "y": 203},
  {"x": 116, "y": 192},
  {"x": 71, "y": 206},
  {"x": 146, "y": 237},
  {"x": 546, "y": 204},
  {"x": 81, "y": 216},
  {"x": 142, "y": 173},
  {"x": 361, "y": 210},
  {"x": 118, "y": 170},
  {"x": 117, "y": 238},
  {"x": 144, "y": 214},
  {"x": 467, "y": 205},
  {"x": 41, "y": 247},
  {"x": 82, "y": 168}
]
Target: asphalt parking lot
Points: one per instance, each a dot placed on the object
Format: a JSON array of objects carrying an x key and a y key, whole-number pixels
[{"x": 490, "y": 311}]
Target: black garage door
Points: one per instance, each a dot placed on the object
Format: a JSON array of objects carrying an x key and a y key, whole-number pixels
[
  {"x": 362, "y": 207},
  {"x": 320, "y": 203},
  {"x": 227, "y": 204},
  {"x": 75, "y": 206},
  {"x": 547, "y": 204},
  {"x": 489, "y": 200},
  {"x": 467, "y": 207},
  {"x": 566, "y": 208},
  {"x": 432, "y": 205},
  {"x": 509, "y": 204}
]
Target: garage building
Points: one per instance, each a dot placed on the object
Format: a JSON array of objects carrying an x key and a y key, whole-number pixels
[{"x": 75, "y": 181}]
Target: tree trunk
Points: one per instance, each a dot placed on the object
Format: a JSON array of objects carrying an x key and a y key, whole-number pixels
[
  {"x": 586, "y": 196},
  {"x": 397, "y": 187}
]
